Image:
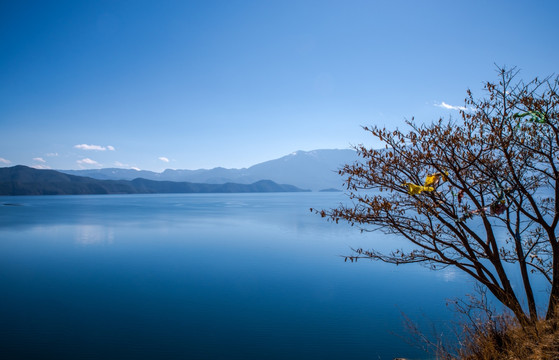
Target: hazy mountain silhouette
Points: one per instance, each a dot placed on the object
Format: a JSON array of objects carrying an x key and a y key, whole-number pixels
[
  {"x": 315, "y": 170},
  {"x": 23, "y": 180}
]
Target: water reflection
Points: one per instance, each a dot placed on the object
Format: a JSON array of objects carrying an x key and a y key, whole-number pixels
[
  {"x": 222, "y": 276},
  {"x": 449, "y": 274},
  {"x": 93, "y": 235}
]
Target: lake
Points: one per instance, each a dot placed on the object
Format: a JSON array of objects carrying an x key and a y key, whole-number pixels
[{"x": 203, "y": 276}]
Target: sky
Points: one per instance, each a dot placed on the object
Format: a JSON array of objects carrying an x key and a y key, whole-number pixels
[{"x": 198, "y": 84}]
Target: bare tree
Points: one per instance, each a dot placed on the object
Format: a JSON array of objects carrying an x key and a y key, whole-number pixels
[{"x": 480, "y": 194}]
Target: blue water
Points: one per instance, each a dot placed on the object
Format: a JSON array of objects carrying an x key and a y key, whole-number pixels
[{"x": 212, "y": 276}]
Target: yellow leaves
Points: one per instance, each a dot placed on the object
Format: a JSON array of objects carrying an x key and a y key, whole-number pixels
[
  {"x": 417, "y": 189},
  {"x": 431, "y": 181}
]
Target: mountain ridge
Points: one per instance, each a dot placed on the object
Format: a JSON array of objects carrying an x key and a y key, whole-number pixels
[
  {"x": 315, "y": 170},
  {"x": 23, "y": 180}
]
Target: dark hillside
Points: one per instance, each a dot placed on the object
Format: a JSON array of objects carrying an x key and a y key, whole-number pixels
[{"x": 23, "y": 180}]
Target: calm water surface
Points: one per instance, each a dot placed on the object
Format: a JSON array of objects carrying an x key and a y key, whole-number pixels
[{"x": 213, "y": 276}]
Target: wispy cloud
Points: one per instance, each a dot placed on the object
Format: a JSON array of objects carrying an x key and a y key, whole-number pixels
[
  {"x": 5, "y": 161},
  {"x": 51, "y": 154},
  {"x": 90, "y": 147},
  {"x": 163, "y": 158},
  {"x": 41, "y": 167},
  {"x": 450, "y": 107},
  {"x": 122, "y": 165},
  {"x": 88, "y": 161},
  {"x": 94, "y": 147},
  {"x": 39, "y": 159}
]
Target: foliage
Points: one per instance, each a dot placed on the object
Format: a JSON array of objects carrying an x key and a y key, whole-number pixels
[
  {"x": 480, "y": 194},
  {"x": 503, "y": 338}
]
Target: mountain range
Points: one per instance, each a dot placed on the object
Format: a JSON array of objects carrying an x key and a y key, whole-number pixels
[
  {"x": 315, "y": 170},
  {"x": 23, "y": 180}
]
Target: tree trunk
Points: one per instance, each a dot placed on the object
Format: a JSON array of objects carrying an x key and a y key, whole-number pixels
[
  {"x": 554, "y": 293},
  {"x": 525, "y": 278},
  {"x": 508, "y": 298}
]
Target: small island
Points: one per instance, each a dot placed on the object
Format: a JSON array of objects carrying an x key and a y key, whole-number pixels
[{"x": 330, "y": 190}]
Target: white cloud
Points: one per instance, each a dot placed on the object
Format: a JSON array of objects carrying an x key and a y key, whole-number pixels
[
  {"x": 126, "y": 166},
  {"x": 450, "y": 107},
  {"x": 39, "y": 159},
  {"x": 5, "y": 161},
  {"x": 41, "y": 167},
  {"x": 163, "y": 158},
  {"x": 51, "y": 154},
  {"x": 88, "y": 161},
  {"x": 94, "y": 147}
]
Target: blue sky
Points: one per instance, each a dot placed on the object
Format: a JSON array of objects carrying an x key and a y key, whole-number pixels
[{"x": 200, "y": 84}]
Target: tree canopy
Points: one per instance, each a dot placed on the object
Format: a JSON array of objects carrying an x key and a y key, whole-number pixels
[{"x": 479, "y": 193}]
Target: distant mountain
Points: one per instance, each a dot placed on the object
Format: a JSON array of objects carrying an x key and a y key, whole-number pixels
[
  {"x": 114, "y": 174},
  {"x": 315, "y": 170},
  {"x": 23, "y": 180}
]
